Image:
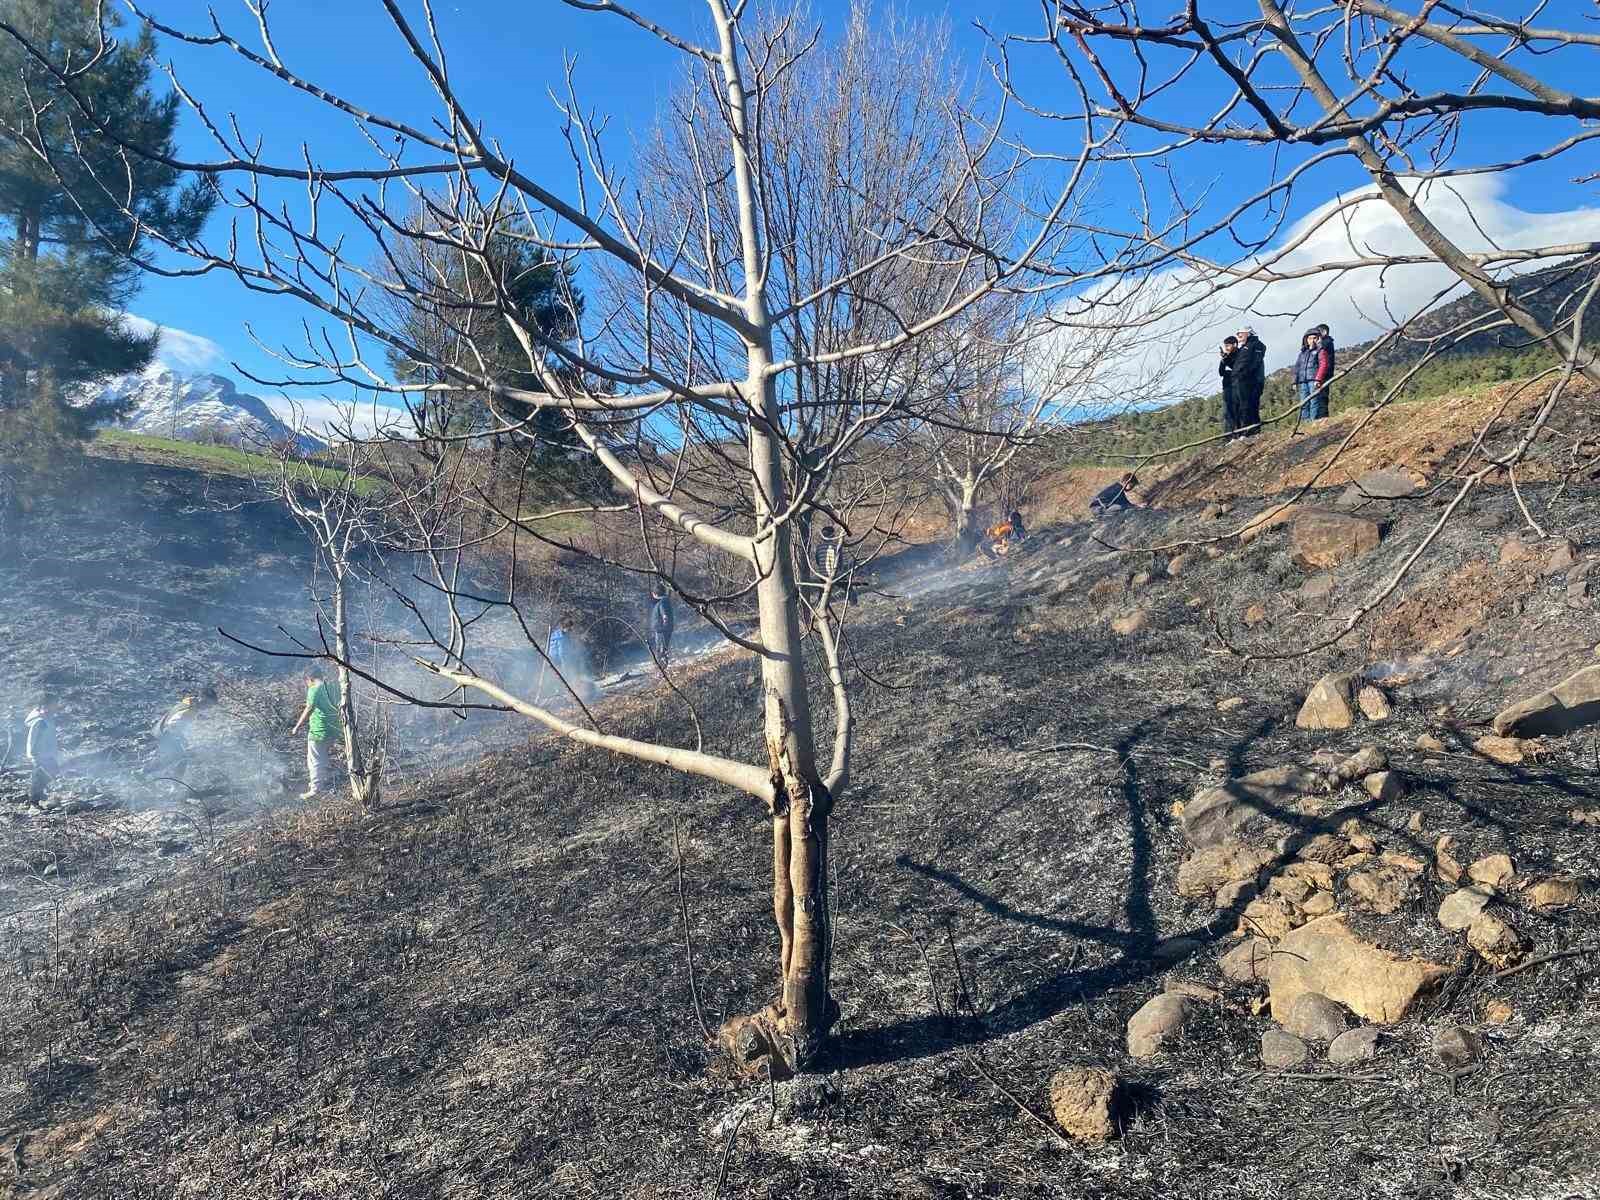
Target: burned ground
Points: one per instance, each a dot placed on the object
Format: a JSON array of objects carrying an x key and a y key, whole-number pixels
[{"x": 483, "y": 990}]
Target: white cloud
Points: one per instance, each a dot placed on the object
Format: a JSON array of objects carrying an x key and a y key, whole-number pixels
[
  {"x": 180, "y": 349},
  {"x": 330, "y": 419},
  {"x": 1473, "y": 211}
]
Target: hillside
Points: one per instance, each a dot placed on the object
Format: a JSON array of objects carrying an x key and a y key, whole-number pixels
[{"x": 482, "y": 991}]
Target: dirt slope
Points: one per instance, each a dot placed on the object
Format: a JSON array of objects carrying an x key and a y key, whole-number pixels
[{"x": 483, "y": 992}]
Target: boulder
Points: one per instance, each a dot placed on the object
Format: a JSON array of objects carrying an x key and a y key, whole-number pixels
[
  {"x": 1461, "y": 907},
  {"x": 1329, "y": 704},
  {"x": 1325, "y": 956},
  {"x": 1210, "y": 867},
  {"x": 1572, "y": 704},
  {"x": 1427, "y": 743},
  {"x": 1354, "y": 1045},
  {"x": 1253, "y": 806},
  {"x": 1280, "y": 1050},
  {"x": 1496, "y": 942},
  {"x": 1384, "y": 786},
  {"x": 1556, "y": 892},
  {"x": 1156, "y": 1023},
  {"x": 1325, "y": 848},
  {"x": 1363, "y": 762},
  {"x": 1507, "y": 750},
  {"x": 1314, "y": 1017},
  {"x": 1321, "y": 538},
  {"x": 1379, "y": 484},
  {"x": 1083, "y": 1101},
  {"x": 1455, "y": 1046},
  {"x": 1317, "y": 591},
  {"x": 1130, "y": 622},
  {"x": 1247, "y": 962},
  {"x": 1271, "y": 518},
  {"x": 1493, "y": 869},
  {"x": 1382, "y": 889},
  {"x": 1374, "y": 704},
  {"x": 1231, "y": 704}
]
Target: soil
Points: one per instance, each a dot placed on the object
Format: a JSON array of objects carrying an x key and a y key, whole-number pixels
[{"x": 482, "y": 990}]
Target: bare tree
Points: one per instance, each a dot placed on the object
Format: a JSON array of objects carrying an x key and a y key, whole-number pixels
[{"x": 725, "y": 369}]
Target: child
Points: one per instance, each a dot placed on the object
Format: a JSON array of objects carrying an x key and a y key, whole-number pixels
[
  {"x": 322, "y": 712},
  {"x": 43, "y": 751}
]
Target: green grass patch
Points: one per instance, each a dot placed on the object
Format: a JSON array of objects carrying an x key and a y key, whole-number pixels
[{"x": 206, "y": 457}]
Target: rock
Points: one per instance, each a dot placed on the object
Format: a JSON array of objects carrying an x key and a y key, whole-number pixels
[
  {"x": 1493, "y": 869},
  {"x": 1155, "y": 1024},
  {"x": 1324, "y": 956},
  {"x": 1083, "y": 1101},
  {"x": 1411, "y": 866},
  {"x": 1321, "y": 538},
  {"x": 1270, "y": 518},
  {"x": 1556, "y": 892},
  {"x": 1572, "y": 704},
  {"x": 1508, "y": 750},
  {"x": 1231, "y": 704},
  {"x": 1247, "y": 962},
  {"x": 1142, "y": 579},
  {"x": 1384, "y": 786},
  {"x": 1455, "y": 1046},
  {"x": 1327, "y": 706},
  {"x": 1318, "y": 904},
  {"x": 1325, "y": 848},
  {"x": 1280, "y": 1050},
  {"x": 1460, "y": 908},
  {"x": 1497, "y": 1012},
  {"x": 1255, "y": 615},
  {"x": 1251, "y": 806},
  {"x": 1383, "y": 889},
  {"x": 1362, "y": 843},
  {"x": 1584, "y": 816},
  {"x": 1316, "y": 591},
  {"x": 1173, "y": 950},
  {"x": 1292, "y": 888},
  {"x": 1444, "y": 860},
  {"x": 1131, "y": 622},
  {"x": 1428, "y": 744},
  {"x": 1563, "y": 558},
  {"x": 1414, "y": 824},
  {"x": 1496, "y": 942},
  {"x": 1211, "y": 867},
  {"x": 1314, "y": 1017},
  {"x": 1178, "y": 564},
  {"x": 1269, "y": 917},
  {"x": 1375, "y": 706},
  {"x": 1354, "y": 1045},
  {"x": 1362, "y": 763},
  {"x": 1515, "y": 550},
  {"x": 1192, "y": 990},
  {"x": 1234, "y": 895},
  {"x": 1379, "y": 484}
]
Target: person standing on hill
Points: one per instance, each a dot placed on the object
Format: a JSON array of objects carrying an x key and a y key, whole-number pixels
[
  {"x": 43, "y": 751},
  {"x": 1325, "y": 369},
  {"x": 1249, "y": 380},
  {"x": 1230, "y": 395},
  {"x": 1307, "y": 365},
  {"x": 321, "y": 718},
  {"x": 660, "y": 623}
]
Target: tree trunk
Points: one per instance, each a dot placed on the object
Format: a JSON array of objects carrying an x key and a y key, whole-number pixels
[{"x": 365, "y": 779}]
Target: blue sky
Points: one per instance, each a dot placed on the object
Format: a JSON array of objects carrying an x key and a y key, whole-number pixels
[{"x": 504, "y": 57}]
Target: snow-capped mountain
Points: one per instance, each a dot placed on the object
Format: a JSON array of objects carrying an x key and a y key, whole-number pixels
[{"x": 200, "y": 407}]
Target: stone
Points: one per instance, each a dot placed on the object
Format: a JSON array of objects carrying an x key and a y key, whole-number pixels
[
  {"x": 1320, "y": 538},
  {"x": 1131, "y": 622},
  {"x": 1556, "y": 892},
  {"x": 1318, "y": 904},
  {"x": 1272, "y": 517},
  {"x": 1497, "y": 1012},
  {"x": 1353, "y": 1046},
  {"x": 1572, "y": 704},
  {"x": 1379, "y": 484},
  {"x": 1231, "y": 704},
  {"x": 1507, "y": 750},
  {"x": 1374, "y": 704},
  {"x": 1562, "y": 559},
  {"x": 1455, "y": 1046},
  {"x": 1291, "y": 888},
  {"x": 1252, "y": 806},
  {"x": 1083, "y": 1101},
  {"x": 1317, "y": 874},
  {"x": 1328, "y": 704},
  {"x": 1316, "y": 591},
  {"x": 1234, "y": 895},
  {"x": 1493, "y": 869},
  {"x": 1191, "y": 989},
  {"x": 1325, "y": 956},
  {"x": 1314, "y": 1017},
  {"x": 1178, "y": 564},
  {"x": 1411, "y": 866},
  {"x": 1280, "y": 1050},
  {"x": 1362, "y": 843},
  {"x": 1444, "y": 861},
  {"x": 1427, "y": 743},
  {"x": 1384, "y": 786},
  {"x": 1255, "y": 615},
  {"x": 1360, "y": 764},
  {"x": 1247, "y": 962},
  {"x": 1584, "y": 816},
  {"x": 1325, "y": 848},
  {"x": 1155, "y": 1024},
  {"x": 1382, "y": 889},
  {"x": 1269, "y": 917},
  {"x": 1496, "y": 942},
  {"x": 1414, "y": 823},
  {"x": 1142, "y": 579},
  {"x": 1515, "y": 550},
  {"x": 1461, "y": 907},
  {"x": 1210, "y": 867}
]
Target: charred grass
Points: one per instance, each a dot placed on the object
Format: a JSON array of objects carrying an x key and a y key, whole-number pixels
[{"x": 482, "y": 991}]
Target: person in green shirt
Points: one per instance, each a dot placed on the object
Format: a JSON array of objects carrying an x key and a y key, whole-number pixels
[{"x": 320, "y": 716}]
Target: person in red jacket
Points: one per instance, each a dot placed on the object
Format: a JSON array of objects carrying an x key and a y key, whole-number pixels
[{"x": 1325, "y": 365}]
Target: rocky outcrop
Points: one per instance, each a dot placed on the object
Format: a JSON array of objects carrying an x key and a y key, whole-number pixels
[
  {"x": 1083, "y": 1101},
  {"x": 1572, "y": 704},
  {"x": 1325, "y": 956},
  {"x": 1321, "y": 538},
  {"x": 1330, "y": 704},
  {"x": 1259, "y": 805}
]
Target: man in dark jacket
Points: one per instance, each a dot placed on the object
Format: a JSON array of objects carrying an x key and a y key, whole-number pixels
[
  {"x": 660, "y": 623},
  {"x": 1114, "y": 496},
  {"x": 1230, "y": 397},
  {"x": 1249, "y": 378}
]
